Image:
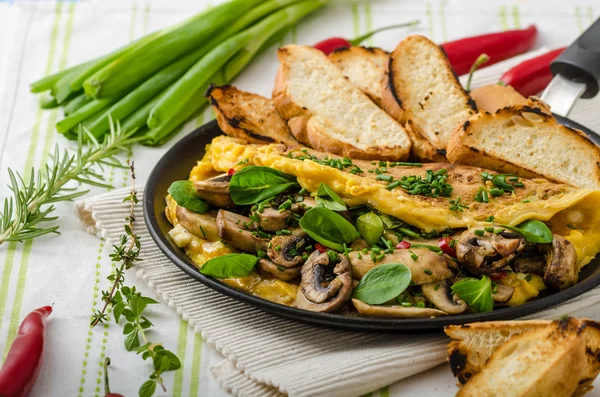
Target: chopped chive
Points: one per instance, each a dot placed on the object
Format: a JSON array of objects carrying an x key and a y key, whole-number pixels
[
  {"x": 406, "y": 304},
  {"x": 414, "y": 256},
  {"x": 386, "y": 178},
  {"x": 393, "y": 185},
  {"x": 479, "y": 232},
  {"x": 498, "y": 231},
  {"x": 380, "y": 257},
  {"x": 421, "y": 304},
  {"x": 496, "y": 192},
  {"x": 437, "y": 286},
  {"x": 490, "y": 218},
  {"x": 427, "y": 271},
  {"x": 489, "y": 229},
  {"x": 278, "y": 248}
]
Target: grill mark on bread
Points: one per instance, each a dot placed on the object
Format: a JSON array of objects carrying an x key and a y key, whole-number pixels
[{"x": 391, "y": 83}]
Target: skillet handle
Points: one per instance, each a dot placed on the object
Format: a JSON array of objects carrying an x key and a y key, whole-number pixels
[{"x": 581, "y": 61}]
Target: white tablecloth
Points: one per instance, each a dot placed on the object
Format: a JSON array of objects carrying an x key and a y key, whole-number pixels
[{"x": 39, "y": 37}]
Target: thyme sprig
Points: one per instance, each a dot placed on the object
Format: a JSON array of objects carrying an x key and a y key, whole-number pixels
[
  {"x": 126, "y": 302},
  {"x": 33, "y": 198}
]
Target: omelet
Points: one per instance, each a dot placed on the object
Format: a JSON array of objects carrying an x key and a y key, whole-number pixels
[{"x": 570, "y": 212}]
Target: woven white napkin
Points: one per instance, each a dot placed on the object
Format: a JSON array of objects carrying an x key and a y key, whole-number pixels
[{"x": 267, "y": 355}]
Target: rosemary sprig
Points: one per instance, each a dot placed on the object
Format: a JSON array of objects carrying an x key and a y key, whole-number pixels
[
  {"x": 33, "y": 200},
  {"x": 127, "y": 303}
]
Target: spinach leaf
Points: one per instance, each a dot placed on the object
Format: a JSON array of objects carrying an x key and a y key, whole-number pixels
[
  {"x": 533, "y": 230},
  {"x": 329, "y": 199},
  {"x": 184, "y": 194},
  {"x": 476, "y": 293},
  {"x": 230, "y": 265},
  {"x": 328, "y": 228},
  {"x": 370, "y": 227},
  {"x": 253, "y": 184},
  {"x": 383, "y": 283}
]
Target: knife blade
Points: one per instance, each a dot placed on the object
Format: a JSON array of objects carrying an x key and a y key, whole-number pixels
[{"x": 576, "y": 72}]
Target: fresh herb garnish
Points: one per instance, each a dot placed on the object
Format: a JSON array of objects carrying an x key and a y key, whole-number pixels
[
  {"x": 370, "y": 227},
  {"x": 476, "y": 293},
  {"x": 329, "y": 199},
  {"x": 502, "y": 183},
  {"x": 429, "y": 247},
  {"x": 482, "y": 195},
  {"x": 455, "y": 205},
  {"x": 229, "y": 265},
  {"x": 383, "y": 283},
  {"x": 34, "y": 197},
  {"x": 253, "y": 184},
  {"x": 328, "y": 228},
  {"x": 490, "y": 218},
  {"x": 533, "y": 231},
  {"x": 343, "y": 164},
  {"x": 128, "y": 303},
  {"x": 184, "y": 194},
  {"x": 433, "y": 185}
]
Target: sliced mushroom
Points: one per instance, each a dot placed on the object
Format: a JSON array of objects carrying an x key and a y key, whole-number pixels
[
  {"x": 489, "y": 252},
  {"x": 425, "y": 265},
  {"x": 395, "y": 311},
  {"x": 277, "y": 271},
  {"x": 215, "y": 191},
  {"x": 272, "y": 219},
  {"x": 503, "y": 293},
  {"x": 236, "y": 230},
  {"x": 325, "y": 286},
  {"x": 287, "y": 250},
  {"x": 529, "y": 264},
  {"x": 562, "y": 270},
  {"x": 201, "y": 225},
  {"x": 442, "y": 297}
]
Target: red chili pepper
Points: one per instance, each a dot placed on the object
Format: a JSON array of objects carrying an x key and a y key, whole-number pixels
[
  {"x": 335, "y": 43},
  {"x": 231, "y": 171},
  {"x": 320, "y": 247},
  {"x": 446, "y": 247},
  {"x": 499, "y": 46},
  {"x": 24, "y": 359},
  {"x": 498, "y": 276},
  {"x": 531, "y": 76},
  {"x": 403, "y": 245}
]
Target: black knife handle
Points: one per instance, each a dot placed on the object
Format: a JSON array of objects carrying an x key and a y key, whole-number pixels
[{"x": 581, "y": 61}]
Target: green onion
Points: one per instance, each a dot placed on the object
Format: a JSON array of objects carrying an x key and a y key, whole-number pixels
[
  {"x": 489, "y": 229},
  {"x": 478, "y": 232},
  {"x": 393, "y": 185},
  {"x": 386, "y": 178}
]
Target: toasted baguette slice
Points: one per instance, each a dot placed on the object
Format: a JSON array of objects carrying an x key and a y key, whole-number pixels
[
  {"x": 364, "y": 67},
  {"x": 527, "y": 141},
  {"x": 493, "y": 97},
  {"x": 473, "y": 344},
  {"x": 422, "y": 87},
  {"x": 248, "y": 116},
  {"x": 544, "y": 361},
  {"x": 327, "y": 112}
]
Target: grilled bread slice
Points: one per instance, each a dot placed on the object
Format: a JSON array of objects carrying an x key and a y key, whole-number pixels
[
  {"x": 473, "y": 344},
  {"x": 547, "y": 361},
  {"x": 327, "y": 112},
  {"x": 248, "y": 116},
  {"x": 493, "y": 97},
  {"x": 527, "y": 141},
  {"x": 364, "y": 67},
  {"x": 421, "y": 87}
]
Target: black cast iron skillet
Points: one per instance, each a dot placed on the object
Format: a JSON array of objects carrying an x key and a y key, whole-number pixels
[{"x": 176, "y": 165}]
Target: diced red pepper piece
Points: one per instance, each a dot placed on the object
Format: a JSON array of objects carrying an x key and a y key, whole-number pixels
[
  {"x": 445, "y": 246},
  {"x": 320, "y": 247},
  {"x": 231, "y": 171},
  {"x": 403, "y": 245}
]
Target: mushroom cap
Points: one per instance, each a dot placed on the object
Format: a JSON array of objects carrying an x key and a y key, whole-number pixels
[
  {"x": 489, "y": 252},
  {"x": 395, "y": 311},
  {"x": 324, "y": 287},
  {"x": 442, "y": 297},
  {"x": 562, "y": 270},
  {"x": 503, "y": 293},
  {"x": 290, "y": 247},
  {"x": 201, "y": 225},
  {"x": 428, "y": 267},
  {"x": 215, "y": 191},
  {"x": 232, "y": 231},
  {"x": 277, "y": 271}
]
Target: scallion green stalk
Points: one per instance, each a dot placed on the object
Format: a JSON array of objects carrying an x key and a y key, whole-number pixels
[{"x": 137, "y": 65}]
